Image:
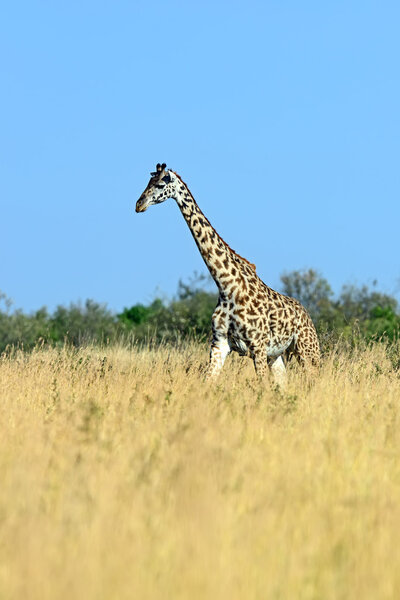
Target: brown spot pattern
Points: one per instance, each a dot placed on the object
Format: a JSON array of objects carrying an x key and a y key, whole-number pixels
[{"x": 250, "y": 317}]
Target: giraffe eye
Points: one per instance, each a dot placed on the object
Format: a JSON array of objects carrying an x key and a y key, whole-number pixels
[{"x": 167, "y": 178}]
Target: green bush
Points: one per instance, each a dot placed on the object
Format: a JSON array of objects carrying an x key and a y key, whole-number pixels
[{"x": 358, "y": 313}]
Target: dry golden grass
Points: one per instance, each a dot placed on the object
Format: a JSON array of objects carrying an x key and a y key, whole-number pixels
[{"x": 125, "y": 475}]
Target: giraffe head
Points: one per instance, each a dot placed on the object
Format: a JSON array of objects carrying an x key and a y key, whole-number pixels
[{"x": 159, "y": 188}]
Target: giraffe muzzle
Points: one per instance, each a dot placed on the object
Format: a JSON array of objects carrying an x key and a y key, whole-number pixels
[{"x": 141, "y": 205}]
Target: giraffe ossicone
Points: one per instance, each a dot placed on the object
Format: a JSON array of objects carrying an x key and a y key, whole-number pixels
[{"x": 250, "y": 317}]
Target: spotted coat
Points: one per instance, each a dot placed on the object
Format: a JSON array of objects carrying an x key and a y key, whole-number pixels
[{"x": 250, "y": 318}]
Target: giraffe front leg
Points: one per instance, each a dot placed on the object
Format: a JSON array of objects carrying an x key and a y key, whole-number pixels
[
  {"x": 218, "y": 353},
  {"x": 259, "y": 356}
]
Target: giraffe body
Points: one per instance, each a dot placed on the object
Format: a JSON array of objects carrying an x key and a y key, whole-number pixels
[{"x": 250, "y": 318}]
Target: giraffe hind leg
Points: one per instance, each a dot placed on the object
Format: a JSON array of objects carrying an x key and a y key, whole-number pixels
[
  {"x": 278, "y": 370},
  {"x": 275, "y": 365},
  {"x": 307, "y": 354}
]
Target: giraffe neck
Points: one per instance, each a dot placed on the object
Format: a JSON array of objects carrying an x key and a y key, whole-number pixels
[{"x": 218, "y": 256}]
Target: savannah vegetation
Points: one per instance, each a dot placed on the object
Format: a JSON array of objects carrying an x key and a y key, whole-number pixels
[
  {"x": 355, "y": 313},
  {"x": 126, "y": 475}
]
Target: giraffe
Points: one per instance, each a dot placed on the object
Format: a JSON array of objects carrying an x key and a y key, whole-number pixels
[{"x": 250, "y": 317}]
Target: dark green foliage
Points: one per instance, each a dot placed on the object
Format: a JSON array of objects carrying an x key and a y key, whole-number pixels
[
  {"x": 312, "y": 290},
  {"x": 357, "y": 314},
  {"x": 189, "y": 314},
  {"x": 19, "y": 329},
  {"x": 357, "y": 303},
  {"x": 76, "y": 325},
  {"x": 135, "y": 315},
  {"x": 81, "y": 324},
  {"x": 383, "y": 322}
]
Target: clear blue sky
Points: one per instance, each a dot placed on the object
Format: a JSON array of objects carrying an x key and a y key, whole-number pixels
[{"x": 282, "y": 117}]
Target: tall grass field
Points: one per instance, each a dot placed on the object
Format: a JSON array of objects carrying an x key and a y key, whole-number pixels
[{"x": 125, "y": 475}]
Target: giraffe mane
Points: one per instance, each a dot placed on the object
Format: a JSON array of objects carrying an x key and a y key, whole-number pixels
[{"x": 252, "y": 265}]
